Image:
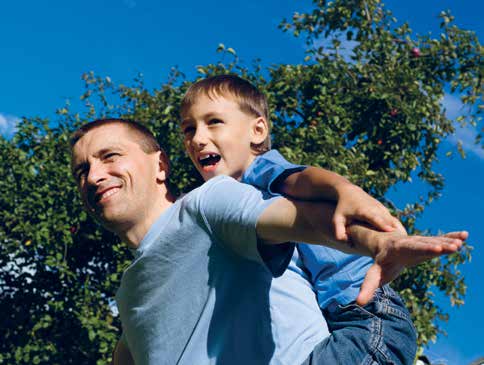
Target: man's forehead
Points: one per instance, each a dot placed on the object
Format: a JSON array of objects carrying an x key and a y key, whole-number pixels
[
  {"x": 102, "y": 138},
  {"x": 107, "y": 134}
]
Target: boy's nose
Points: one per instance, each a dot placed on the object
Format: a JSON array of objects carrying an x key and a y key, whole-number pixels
[{"x": 200, "y": 137}]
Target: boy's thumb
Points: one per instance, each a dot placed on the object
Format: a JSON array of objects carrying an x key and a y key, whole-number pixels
[
  {"x": 339, "y": 222},
  {"x": 370, "y": 284}
]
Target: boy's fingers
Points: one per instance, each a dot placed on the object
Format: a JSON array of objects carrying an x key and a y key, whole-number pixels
[
  {"x": 461, "y": 235},
  {"x": 339, "y": 222},
  {"x": 399, "y": 226},
  {"x": 383, "y": 224},
  {"x": 370, "y": 284},
  {"x": 376, "y": 220}
]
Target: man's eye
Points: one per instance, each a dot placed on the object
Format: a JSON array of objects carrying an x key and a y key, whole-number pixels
[
  {"x": 111, "y": 155},
  {"x": 80, "y": 175}
]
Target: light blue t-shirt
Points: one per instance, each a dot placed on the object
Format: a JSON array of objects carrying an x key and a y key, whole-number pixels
[
  {"x": 336, "y": 276},
  {"x": 201, "y": 291}
]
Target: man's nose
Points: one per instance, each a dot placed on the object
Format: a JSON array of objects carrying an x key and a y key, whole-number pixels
[{"x": 97, "y": 174}]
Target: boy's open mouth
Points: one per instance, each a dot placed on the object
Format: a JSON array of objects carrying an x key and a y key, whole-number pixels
[{"x": 209, "y": 160}]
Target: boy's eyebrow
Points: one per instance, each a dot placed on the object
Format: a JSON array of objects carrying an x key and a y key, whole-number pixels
[
  {"x": 185, "y": 121},
  {"x": 207, "y": 115}
]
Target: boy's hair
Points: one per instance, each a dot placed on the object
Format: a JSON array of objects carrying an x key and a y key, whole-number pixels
[
  {"x": 141, "y": 135},
  {"x": 249, "y": 98}
]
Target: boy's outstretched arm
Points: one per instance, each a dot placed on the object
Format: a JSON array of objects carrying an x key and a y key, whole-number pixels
[
  {"x": 310, "y": 222},
  {"x": 353, "y": 203},
  {"x": 395, "y": 252}
]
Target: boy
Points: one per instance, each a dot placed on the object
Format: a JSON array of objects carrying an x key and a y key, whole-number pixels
[
  {"x": 197, "y": 289},
  {"x": 226, "y": 132}
]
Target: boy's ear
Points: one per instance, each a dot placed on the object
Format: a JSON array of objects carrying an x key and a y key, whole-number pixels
[{"x": 259, "y": 130}]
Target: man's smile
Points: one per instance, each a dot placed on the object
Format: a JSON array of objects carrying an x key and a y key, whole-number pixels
[{"x": 105, "y": 193}]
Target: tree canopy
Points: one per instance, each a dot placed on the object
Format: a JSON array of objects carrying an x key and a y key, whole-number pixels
[{"x": 366, "y": 102}]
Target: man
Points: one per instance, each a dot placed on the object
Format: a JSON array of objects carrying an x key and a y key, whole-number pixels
[{"x": 198, "y": 289}]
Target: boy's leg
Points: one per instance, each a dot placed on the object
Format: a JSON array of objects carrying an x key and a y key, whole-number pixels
[{"x": 381, "y": 332}]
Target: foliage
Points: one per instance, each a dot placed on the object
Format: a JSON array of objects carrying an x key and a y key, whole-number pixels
[{"x": 371, "y": 112}]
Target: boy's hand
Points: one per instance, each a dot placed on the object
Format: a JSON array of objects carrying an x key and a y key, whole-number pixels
[
  {"x": 355, "y": 204},
  {"x": 395, "y": 252}
]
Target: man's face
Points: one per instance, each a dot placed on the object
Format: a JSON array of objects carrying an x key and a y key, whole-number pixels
[
  {"x": 218, "y": 137},
  {"x": 117, "y": 180}
]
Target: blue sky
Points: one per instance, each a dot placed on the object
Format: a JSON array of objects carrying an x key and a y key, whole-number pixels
[{"x": 45, "y": 46}]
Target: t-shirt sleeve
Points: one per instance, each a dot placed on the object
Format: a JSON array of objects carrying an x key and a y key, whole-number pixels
[
  {"x": 269, "y": 169},
  {"x": 231, "y": 211}
]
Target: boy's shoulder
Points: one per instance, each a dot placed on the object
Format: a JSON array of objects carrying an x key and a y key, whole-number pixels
[
  {"x": 272, "y": 155},
  {"x": 269, "y": 168}
]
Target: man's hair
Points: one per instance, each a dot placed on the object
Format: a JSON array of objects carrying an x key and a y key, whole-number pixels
[
  {"x": 248, "y": 97},
  {"x": 141, "y": 135}
]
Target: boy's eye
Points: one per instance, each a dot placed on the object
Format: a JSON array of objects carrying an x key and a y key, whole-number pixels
[
  {"x": 215, "y": 121},
  {"x": 188, "y": 130}
]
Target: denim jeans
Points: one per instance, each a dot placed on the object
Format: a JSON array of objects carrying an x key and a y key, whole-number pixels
[{"x": 380, "y": 332}]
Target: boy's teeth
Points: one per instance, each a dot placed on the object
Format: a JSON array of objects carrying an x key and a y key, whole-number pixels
[
  {"x": 207, "y": 157},
  {"x": 210, "y": 159}
]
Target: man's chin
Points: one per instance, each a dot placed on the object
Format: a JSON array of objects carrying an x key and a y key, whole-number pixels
[{"x": 108, "y": 220}]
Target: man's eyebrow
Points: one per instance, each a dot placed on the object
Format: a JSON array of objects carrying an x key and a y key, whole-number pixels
[
  {"x": 99, "y": 153},
  {"x": 114, "y": 147}
]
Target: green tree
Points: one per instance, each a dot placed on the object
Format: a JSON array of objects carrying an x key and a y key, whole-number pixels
[{"x": 371, "y": 112}]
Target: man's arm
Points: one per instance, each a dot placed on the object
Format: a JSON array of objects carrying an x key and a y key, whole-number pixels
[
  {"x": 122, "y": 355},
  {"x": 353, "y": 203},
  {"x": 309, "y": 222}
]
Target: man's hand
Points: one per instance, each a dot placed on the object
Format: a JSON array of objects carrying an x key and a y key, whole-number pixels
[
  {"x": 394, "y": 252},
  {"x": 354, "y": 204}
]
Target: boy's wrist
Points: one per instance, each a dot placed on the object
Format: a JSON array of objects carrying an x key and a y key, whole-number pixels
[
  {"x": 343, "y": 188},
  {"x": 364, "y": 240},
  {"x": 369, "y": 241}
]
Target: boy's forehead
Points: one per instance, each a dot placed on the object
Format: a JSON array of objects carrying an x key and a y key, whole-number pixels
[
  {"x": 214, "y": 94},
  {"x": 211, "y": 102}
]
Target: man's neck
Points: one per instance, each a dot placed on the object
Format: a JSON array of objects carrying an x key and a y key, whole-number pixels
[{"x": 133, "y": 234}]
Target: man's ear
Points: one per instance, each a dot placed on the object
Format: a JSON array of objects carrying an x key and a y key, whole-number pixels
[
  {"x": 259, "y": 130},
  {"x": 163, "y": 167}
]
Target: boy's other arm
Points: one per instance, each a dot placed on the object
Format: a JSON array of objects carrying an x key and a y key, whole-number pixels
[
  {"x": 122, "y": 355},
  {"x": 310, "y": 222},
  {"x": 353, "y": 203}
]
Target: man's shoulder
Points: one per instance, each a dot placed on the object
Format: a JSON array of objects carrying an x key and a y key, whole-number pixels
[
  {"x": 211, "y": 185},
  {"x": 214, "y": 190}
]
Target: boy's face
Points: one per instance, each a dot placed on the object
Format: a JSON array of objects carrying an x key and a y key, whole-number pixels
[{"x": 218, "y": 136}]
